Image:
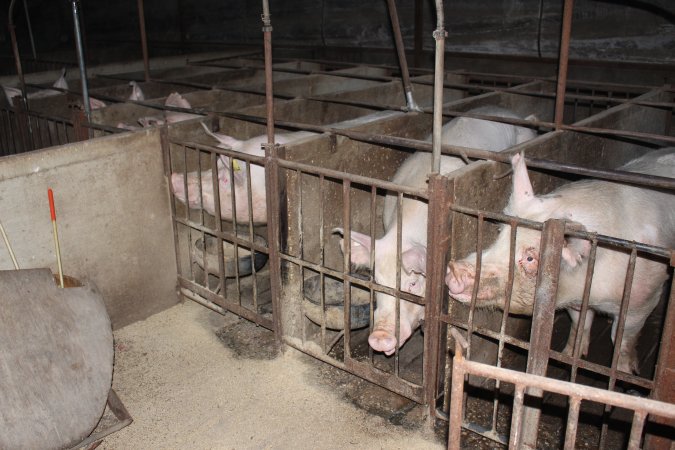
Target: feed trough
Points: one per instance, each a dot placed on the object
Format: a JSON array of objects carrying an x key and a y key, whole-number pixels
[
  {"x": 242, "y": 254},
  {"x": 334, "y": 303}
]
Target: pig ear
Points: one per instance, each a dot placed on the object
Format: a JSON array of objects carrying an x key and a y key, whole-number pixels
[
  {"x": 575, "y": 250},
  {"x": 239, "y": 167},
  {"x": 522, "y": 193},
  {"x": 524, "y": 134},
  {"x": 225, "y": 141},
  {"x": 415, "y": 260},
  {"x": 360, "y": 247}
]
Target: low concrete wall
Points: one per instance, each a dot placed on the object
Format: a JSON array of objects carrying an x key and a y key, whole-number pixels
[{"x": 113, "y": 216}]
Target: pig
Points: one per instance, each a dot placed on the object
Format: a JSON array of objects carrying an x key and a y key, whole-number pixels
[
  {"x": 60, "y": 83},
  {"x": 614, "y": 209},
  {"x": 238, "y": 183},
  {"x": 176, "y": 100},
  {"x": 462, "y": 131},
  {"x": 136, "y": 92}
]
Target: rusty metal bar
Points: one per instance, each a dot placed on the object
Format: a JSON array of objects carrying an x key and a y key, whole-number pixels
[
  {"x": 641, "y": 406},
  {"x": 17, "y": 56},
  {"x": 272, "y": 186},
  {"x": 144, "y": 39},
  {"x": 612, "y": 175},
  {"x": 346, "y": 265},
  {"x": 440, "y": 198},
  {"x": 664, "y": 377},
  {"x": 419, "y": 31},
  {"x": 563, "y": 61},
  {"x": 456, "y": 416},
  {"x": 400, "y": 50},
  {"x": 553, "y": 240},
  {"x": 572, "y": 422}
]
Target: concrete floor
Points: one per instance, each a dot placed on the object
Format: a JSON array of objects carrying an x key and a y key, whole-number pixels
[{"x": 192, "y": 378}]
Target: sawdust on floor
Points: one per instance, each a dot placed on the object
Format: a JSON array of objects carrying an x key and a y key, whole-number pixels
[{"x": 186, "y": 388}]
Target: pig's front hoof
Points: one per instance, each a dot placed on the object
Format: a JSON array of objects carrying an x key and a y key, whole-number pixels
[{"x": 382, "y": 341}]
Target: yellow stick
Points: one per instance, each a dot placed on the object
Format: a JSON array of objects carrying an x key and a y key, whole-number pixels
[{"x": 9, "y": 247}]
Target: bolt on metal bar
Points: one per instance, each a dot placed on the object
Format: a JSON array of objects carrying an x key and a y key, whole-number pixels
[{"x": 400, "y": 50}]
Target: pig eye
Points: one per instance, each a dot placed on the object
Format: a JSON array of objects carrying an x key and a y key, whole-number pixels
[{"x": 530, "y": 259}]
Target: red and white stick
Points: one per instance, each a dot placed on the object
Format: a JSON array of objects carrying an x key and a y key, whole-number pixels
[{"x": 52, "y": 210}]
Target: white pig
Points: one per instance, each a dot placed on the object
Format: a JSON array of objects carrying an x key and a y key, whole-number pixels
[
  {"x": 136, "y": 92},
  {"x": 176, "y": 100},
  {"x": 61, "y": 83},
  {"x": 462, "y": 131},
  {"x": 618, "y": 210},
  {"x": 239, "y": 182}
]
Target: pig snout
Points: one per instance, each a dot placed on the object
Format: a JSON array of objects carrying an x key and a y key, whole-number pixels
[
  {"x": 459, "y": 278},
  {"x": 382, "y": 341},
  {"x": 383, "y": 338}
]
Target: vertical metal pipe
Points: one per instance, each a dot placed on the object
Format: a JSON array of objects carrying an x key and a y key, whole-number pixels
[
  {"x": 17, "y": 56},
  {"x": 664, "y": 378},
  {"x": 403, "y": 62},
  {"x": 80, "y": 60},
  {"x": 562, "y": 62},
  {"x": 439, "y": 36},
  {"x": 545, "y": 295},
  {"x": 144, "y": 39},
  {"x": 456, "y": 412},
  {"x": 30, "y": 29},
  {"x": 419, "y": 31},
  {"x": 440, "y": 198},
  {"x": 272, "y": 184},
  {"x": 269, "y": 98}
]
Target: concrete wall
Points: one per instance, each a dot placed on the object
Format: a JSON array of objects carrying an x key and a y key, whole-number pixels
[{"x": 112, "y": 206}]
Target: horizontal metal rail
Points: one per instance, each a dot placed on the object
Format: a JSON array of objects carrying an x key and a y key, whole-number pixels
[{"x": 521, "y": 381}]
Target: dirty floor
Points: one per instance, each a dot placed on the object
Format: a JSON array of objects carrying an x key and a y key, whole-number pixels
[{"x": 192, "y": 378}]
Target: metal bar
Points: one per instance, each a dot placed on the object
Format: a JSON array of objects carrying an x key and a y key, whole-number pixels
[
  {"x": 121, "y": 414},
  {"x": 80, "y": 60},
  {"x": 205, "y": 297},
  {"x": 17, "y": 56},
  {"x": 664, "y": 378},
  {"x": 563, "y": 60},
  {"x": 267, "y": 37},
  {"x": 273, "y": 199},
  {"x": 400, "y": 50},
  {"x": 440, "y": 197},
  {"x": 572, "y": 422},
  {"x": 419, "y": 31},
  {"x": 144, "y": 39},
  {"x": 30, "y": 29},
  {"x": 439, "y": 36},
  {"x": 617, "y": 399},
  {"x": 457, "y": 394},
  {"x": 552, "y": 239},
  {"x": 346, "y": 265},
  {"x": 612, "y": 175}
]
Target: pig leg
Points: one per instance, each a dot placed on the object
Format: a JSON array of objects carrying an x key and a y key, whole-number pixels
[
  {"x": 635, "y": 320},
  {"x": 586, "y": 337}
]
